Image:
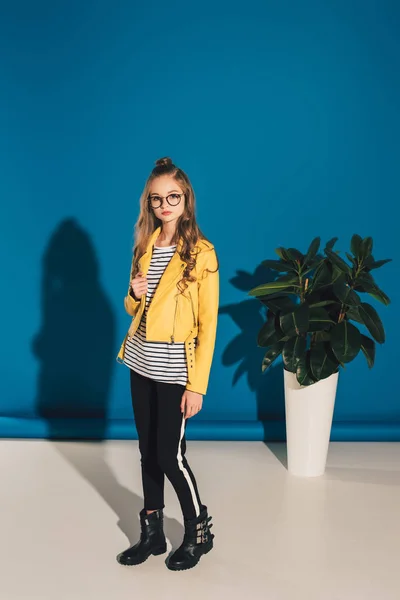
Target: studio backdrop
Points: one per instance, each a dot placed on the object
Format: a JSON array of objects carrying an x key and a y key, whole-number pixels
[{"x": 285, "y": 115}]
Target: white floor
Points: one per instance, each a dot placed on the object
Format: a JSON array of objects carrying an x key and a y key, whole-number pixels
[{"x": 67, "y": 509}]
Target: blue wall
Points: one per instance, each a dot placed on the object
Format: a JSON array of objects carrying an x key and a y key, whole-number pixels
[{"x": 285, "y": 116}]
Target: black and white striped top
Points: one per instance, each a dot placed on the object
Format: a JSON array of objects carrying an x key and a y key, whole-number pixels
[{"x": 161, "y": 361}]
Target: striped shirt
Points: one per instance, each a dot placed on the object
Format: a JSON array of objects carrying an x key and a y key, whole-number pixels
[{"x": 161, "y": 361}]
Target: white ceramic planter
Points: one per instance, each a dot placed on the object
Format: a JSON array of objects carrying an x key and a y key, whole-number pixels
[{"x": 309, "y": 413}]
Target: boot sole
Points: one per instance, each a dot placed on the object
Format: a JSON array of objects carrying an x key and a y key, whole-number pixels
[
  {"x": 206, "y": 550},
  {"x": 155, "y": 552}
]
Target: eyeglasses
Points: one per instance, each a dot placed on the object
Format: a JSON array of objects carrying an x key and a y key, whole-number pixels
[{"x": 172, "y": 199}]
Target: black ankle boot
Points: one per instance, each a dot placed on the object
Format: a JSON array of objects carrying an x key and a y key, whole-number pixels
[
  {"x": 198, "y": 540},
  {"x": 152, "y": 539}
]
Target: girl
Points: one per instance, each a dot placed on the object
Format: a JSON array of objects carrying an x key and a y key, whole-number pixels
[{"x": 173, "y": 298}]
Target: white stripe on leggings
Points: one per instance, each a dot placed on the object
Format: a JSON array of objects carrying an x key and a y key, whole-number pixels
[{"x": 185, "y": 472}]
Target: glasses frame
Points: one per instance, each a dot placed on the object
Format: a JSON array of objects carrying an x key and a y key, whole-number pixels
[{"x": 165, "y": 198}]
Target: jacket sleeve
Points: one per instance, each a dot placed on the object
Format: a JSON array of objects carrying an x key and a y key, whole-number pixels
[
  {"x": 130, "y": 303},
  {"x": 208, "y": 298}
]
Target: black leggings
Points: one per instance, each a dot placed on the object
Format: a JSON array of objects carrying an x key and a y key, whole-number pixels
[{"x": 161, "y": 430}]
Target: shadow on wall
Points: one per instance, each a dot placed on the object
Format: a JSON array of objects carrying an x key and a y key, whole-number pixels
[
  {"x": 75, "y": 345},
  {"x": 76, "y": 350},
  {"x": 249, "y": 317}
]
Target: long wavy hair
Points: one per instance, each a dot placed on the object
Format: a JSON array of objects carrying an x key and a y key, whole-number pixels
[{"x": 187, "y": 228}]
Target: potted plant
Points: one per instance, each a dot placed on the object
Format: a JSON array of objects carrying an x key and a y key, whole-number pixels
[{"x": 312, "y": 306}]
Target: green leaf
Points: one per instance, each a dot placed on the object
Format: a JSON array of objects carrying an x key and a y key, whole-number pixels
[
  {"x": 353, "y": 314},
  {"x": 323, "y": 303},
  {"x": 278, "y": 304},
  {"x": 272, "y": 287},
  {"x": 304, "y": 374},
  {"x": 312, "y": 251},
  {"x": 322, "y": 276},
  {"x": 337, "y": 274},
  {"x": 356, "y": 242},
  {"x": 379, "y": 263},
  {"x": 366, "y": 247},
  {"x": 325, "y": 276},
  {"x": 371, "y": 320},
  {"x": 366, "y": 283},
  {"x": 290, "y": 255},
  {"x": 345, "y": 341},
  {"x": 266, "y": 332},
  {"x": 283, "y": 254},
  {"x": 271, "y": 355},
  {"x": 295, "y": 255},
  {"x": 322, "y": 361},
  {"x": 364, "y": 278},
  {"x": 322, "y": 336},
  {"x": 378, "y": 294},
  {"x": 296, "y": 321},
  {"x": 345, "y": 294},
  {"x": 280, "y": 294},
  {"x": 292, "y": 351},
  {"x": 313, "y": 265},
  {"x": 367, "y": 262},
  {"x": 278, "y": 265},
  {"x": 338, "y": 262},
  {"x": 319, "y": 319},
  {"x": 331, "y": 243},
  {"x": 351, "y": 258},
  {"x": 289, "y": 278},
  {"x": 368, "y": 348}
]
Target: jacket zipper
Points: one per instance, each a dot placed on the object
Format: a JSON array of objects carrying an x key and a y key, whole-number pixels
[
  {"x": 173, "y": 327},
  {"x": 191, "y": 302}
]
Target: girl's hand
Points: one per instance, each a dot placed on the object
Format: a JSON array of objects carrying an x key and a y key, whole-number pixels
[
  {"x": 191, "y": 403},
  {"x": 139, "y": 285}
]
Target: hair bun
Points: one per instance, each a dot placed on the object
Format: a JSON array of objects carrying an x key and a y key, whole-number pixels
[{"x": 164, "y": 162}]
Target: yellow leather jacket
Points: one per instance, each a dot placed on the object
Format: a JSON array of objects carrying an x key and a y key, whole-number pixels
[{"x": 175, "y": 317}]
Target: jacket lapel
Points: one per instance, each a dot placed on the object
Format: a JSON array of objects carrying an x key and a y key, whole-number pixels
[
  {"x": 173, "y": 271},
  {"x": 145, "y": 259}
]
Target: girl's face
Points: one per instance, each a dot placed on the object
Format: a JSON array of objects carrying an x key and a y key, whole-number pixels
[{"x": 160, "y": 188}]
